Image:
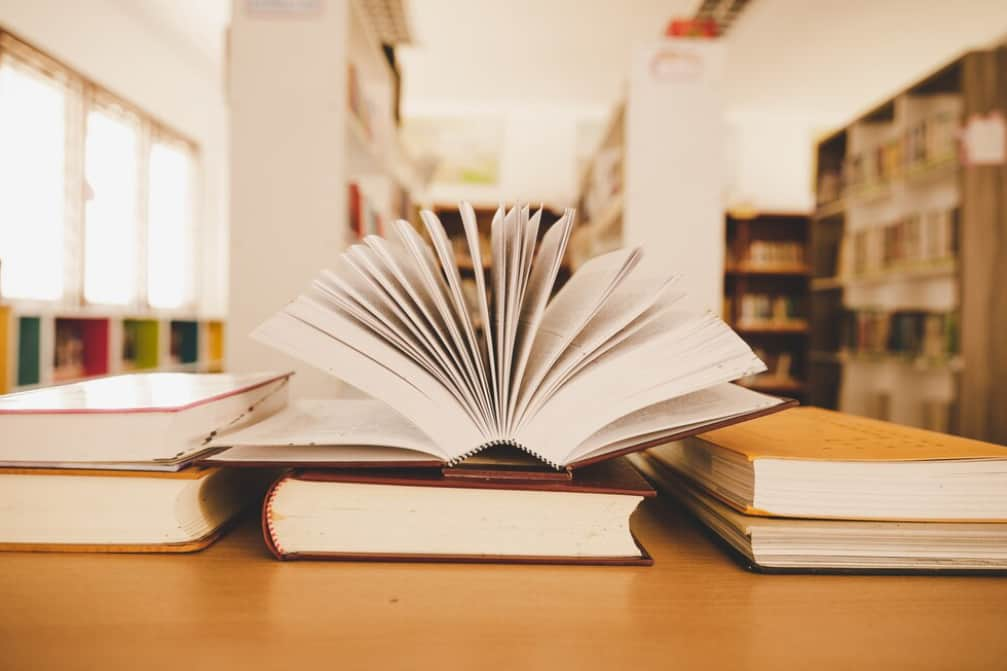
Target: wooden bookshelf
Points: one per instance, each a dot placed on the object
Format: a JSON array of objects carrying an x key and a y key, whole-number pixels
[
  {"x": 904, "y": 227},
  {"x": 766, "y": 284},
  {"x": 601, "y": 201},
  {"x": 768, "y": 269}
]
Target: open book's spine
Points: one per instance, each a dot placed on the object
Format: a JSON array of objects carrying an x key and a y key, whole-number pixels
[{"x": 502, "y": 442}]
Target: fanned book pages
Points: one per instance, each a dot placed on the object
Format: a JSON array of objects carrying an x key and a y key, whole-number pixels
[{"x": 605, "y": 364}]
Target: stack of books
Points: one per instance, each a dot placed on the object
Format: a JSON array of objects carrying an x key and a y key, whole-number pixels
[
  {"x": 503, "y": 443},
  {"x": 110, "y": 465},
  {"x": 814, "y": 490}
]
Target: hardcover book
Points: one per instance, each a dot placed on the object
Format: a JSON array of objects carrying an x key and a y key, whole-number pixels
[
  {"x": 783, "y": 544},
  {"x": 816, "y": 463},
  {"x": 421, "y": 515},
  {"x": 141, "y": 421},
  {"x": 66, "y": 510}
]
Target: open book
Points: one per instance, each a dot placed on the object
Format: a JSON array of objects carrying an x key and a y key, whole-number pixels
[{"x": 606, "y": 364}]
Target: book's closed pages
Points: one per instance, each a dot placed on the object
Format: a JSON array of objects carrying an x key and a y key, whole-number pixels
[
  {"x": 810, "y": 462},
  {"x": 121, "y": 511},
  {"x": 419, "y": 515},
  {"x": 780, "y": 544},
  {"x": 141, "y": 421}
]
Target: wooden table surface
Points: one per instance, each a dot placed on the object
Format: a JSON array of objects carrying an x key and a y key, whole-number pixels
[{"x": 233, "y": 606}]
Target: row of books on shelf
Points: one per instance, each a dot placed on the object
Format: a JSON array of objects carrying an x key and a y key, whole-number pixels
[
  {"x": 794, "y": 490},
  {"x": 759, "y": 308},
  {"x": 768, "y": 254},
  {"x": 364, "y": 218},
  {"x": 933, "y": 414},
  {"x": 913, "y": 241},
  {"x": 909, "y": 333},
  {"x": 358, "y": 105},
  {"x": 779, "y": 371},
  {"x": 926, "y": 143},
  {"x": 605, "y": 184}
]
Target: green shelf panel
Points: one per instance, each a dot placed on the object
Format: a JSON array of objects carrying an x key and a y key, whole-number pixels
[
  {"x": 139, "y": 344},
  {"x": 28, "y": 350},
  {"x": 184, "y": 341}
]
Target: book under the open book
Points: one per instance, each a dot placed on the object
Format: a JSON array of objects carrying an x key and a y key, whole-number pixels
[{"x": 606, "y": 364}]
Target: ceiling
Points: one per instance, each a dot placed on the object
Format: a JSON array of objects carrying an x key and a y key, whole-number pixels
[
  {"x": 827, "y": 59},
  {"x": 832, "y": 59},
  {"x": 196, "y": 27},
  {"x": 570, "y": 52}
]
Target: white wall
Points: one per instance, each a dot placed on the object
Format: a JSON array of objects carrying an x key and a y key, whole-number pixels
[
  {"x": 116, "y": 44},
  {"x": 674, "y": 166},
  {"x": 287, "y": 85},
  {"x": 770, "y": 158}
]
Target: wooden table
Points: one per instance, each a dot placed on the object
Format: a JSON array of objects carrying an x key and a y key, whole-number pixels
[{"x": 233, "y": 606}]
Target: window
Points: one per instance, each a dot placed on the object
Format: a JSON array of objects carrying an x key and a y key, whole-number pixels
[
  {"x": 170, "y": 248},
  {"x": 111, "y": 160},
  {"x": 32, "y": 183},
  {"x": 97, "y": 200}
]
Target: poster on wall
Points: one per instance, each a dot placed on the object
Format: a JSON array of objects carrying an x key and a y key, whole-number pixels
[
  {"x": 283, "y": 8},
  {"x": 465, "y": 150}
]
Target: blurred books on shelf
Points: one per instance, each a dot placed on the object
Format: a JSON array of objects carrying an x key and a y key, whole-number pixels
[
  {"x": 917, "y": 242},
  {"x": 766, "y": 292},
  {"x": 765, "y": 311},
  {"x": 925, "y": 145},
  {"x": 913, "y": 335}
]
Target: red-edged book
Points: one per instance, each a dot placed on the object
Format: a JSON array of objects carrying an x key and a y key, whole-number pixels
[
  {"x": 421, "y": 515},
  {"x": 141, "y": 421}
]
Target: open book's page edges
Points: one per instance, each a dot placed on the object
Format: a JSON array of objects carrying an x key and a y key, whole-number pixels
[{"x": 711, "y": 426}]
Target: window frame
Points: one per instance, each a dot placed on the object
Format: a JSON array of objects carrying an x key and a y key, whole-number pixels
[{"x": 82, "y": 95}]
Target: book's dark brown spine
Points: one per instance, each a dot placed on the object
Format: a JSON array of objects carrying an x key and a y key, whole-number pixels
[
  {"x": 506, "y": 473},
  {"x": 613, "y": 476}
]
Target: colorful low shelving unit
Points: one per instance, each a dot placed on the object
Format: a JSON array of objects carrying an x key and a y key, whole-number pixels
[{"x": 42, "y": 345}]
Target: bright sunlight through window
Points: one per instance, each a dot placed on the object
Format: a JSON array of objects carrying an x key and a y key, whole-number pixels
[
  {"x": 170, "y": 233},
  {"x": 32, "y": 177},
  {"x": 111, "y": 157}
]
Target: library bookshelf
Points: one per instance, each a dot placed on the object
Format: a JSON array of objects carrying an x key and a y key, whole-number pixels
[
  {"x": 766, "y": 282},
  {"x": 601, "y": 204},
  {"x": 43, "y": 344},
  {"x": 908, "y": 246},
  {"x": 337, "y": 171},
  {"x": 381, "y": 176}
]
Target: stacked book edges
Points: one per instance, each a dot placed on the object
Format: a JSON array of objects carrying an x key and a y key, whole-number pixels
[
  {"x": 495, "y": 428},
  {"x": 113, "y": 464},
  {"x": 815, "y": 490}
]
